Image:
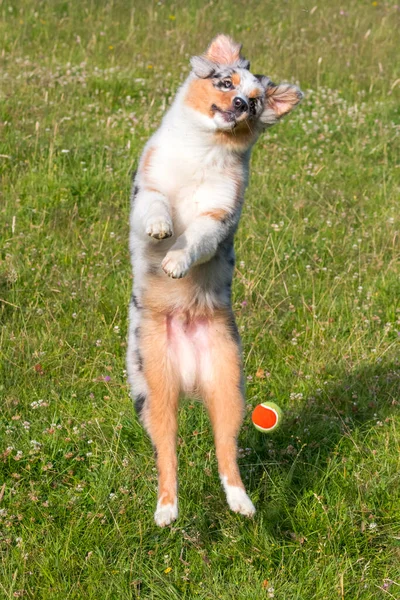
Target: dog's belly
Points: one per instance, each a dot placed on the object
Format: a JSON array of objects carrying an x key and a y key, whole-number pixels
[{"x": 189, "y": 347}]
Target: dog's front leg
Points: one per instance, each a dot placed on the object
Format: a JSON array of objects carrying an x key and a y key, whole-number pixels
[
  {"x": 151, "y": 216},
  {"x": 198, "y": 244}
]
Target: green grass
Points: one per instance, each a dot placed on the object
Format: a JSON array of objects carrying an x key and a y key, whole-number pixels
[{"x": 316, "y": 295}]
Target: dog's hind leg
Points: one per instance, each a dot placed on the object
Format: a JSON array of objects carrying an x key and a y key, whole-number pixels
[
  {"x": 221, "y": 386},
  {"x": 134, "y": 359},
  {"x": 159, "y": 411}
]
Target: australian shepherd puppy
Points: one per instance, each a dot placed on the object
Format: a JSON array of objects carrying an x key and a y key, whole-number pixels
[{"x": 186, "y": 203}]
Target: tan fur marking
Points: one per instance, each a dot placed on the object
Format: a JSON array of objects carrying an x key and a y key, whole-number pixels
[
  {"x": 160, "y": 411},
  {"x": 147, "y": 159},
  {"x": 223, "y": 99},
  {"x": 239, "y": 138},
  {"x": 222, "y": 395},
  {"x": 256, "y": 93},
  {"x": 165, "y": 295},
  {"x": 218, "y": 214},
  {"x": 202, "y": 95},
  {"x": 198, "y": 96},
  {"x": 235, "y": 79}
]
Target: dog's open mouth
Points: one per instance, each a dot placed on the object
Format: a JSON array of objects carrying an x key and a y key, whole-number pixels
[{"x": 228, "y": 115}]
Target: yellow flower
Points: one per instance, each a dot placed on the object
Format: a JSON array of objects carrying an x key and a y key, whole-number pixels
[
  {"x": 111, "y": 47},
  {"x": 168, "y": 570},
  {"x": 172, "y": 17}
]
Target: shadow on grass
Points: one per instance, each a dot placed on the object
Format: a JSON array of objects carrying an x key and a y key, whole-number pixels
[
  {"x": 312, "y": 460},
  {"x": 289, "y": 465},
  {"x": 345, "y": 409},
  {"x": 294, "y": 461}
]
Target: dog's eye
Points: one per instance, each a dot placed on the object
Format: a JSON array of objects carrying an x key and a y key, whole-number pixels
[{"x": 227, "y": 84}]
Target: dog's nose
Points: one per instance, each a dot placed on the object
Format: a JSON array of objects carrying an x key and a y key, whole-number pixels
[{"x": 240, "y": 104}]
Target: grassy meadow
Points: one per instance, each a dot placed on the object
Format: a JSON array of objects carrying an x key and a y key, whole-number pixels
[{"x": 316, "y": 296}]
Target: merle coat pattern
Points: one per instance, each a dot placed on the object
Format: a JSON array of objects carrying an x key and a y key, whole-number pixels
[{"x": 186, "y": 200}]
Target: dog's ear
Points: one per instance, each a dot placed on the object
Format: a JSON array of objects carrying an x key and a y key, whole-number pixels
[
  {"x": 202, "y": 67},
  {"x": 222, "y": 51},
  {"x": 279, "y": 100}
]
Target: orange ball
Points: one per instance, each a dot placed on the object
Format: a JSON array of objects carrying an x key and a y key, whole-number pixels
[{"x": 266, "y": 417}]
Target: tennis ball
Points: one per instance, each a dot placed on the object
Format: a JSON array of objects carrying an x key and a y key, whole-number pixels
[{"x": 266, "y": 417}]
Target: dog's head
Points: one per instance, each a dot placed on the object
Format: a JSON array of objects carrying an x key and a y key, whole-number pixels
[{"x": 229, "y": 97}]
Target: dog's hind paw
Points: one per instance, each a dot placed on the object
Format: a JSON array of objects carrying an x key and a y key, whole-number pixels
[
  {"x": 166, "y": 513},
  {"x": 238, "y": 500}
]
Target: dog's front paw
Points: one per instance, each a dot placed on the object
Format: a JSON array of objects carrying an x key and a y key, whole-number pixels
[
  {"x": 176, "y": 264},
  {"x": 159, "y": 228}
]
